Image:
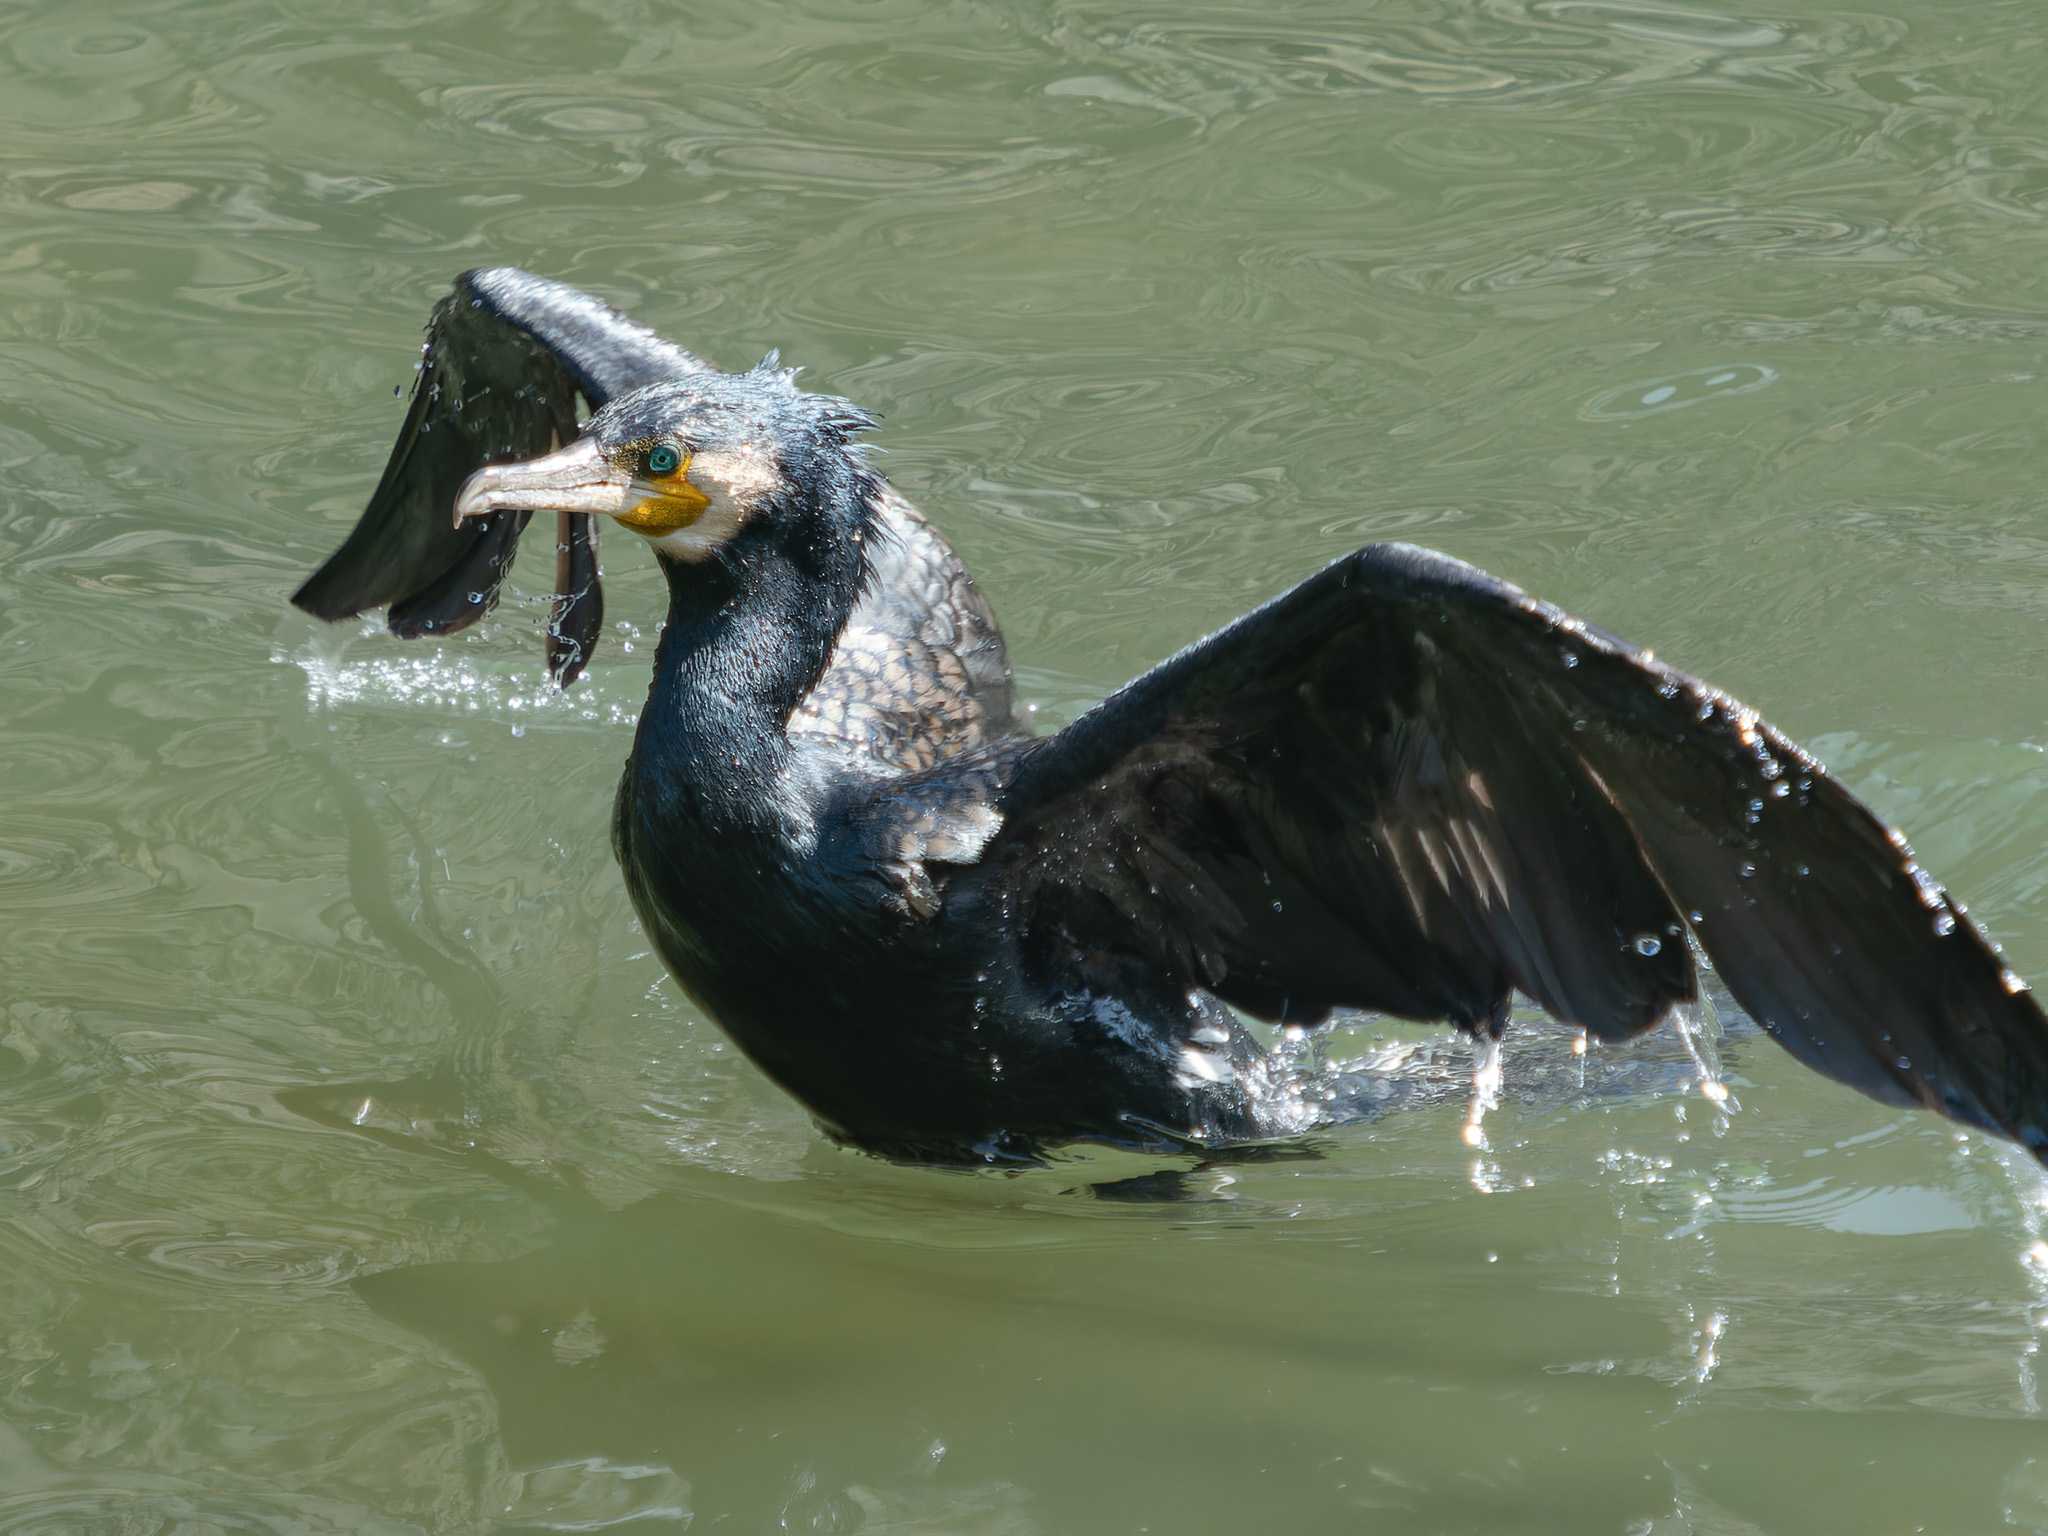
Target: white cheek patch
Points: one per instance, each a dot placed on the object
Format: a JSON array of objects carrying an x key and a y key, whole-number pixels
[{"x": 736, "y": 482}]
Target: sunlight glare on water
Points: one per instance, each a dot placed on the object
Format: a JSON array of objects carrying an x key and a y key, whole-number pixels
[{"x": 364, "y": 1172}]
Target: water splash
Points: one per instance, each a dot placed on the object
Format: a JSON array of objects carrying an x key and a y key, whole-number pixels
[
  {"x": 1487, "y": 1078},
  {"x": 1698, "y": 1026},
  {"x": 1707, "y": 1356},
  {"x": 2030, "y": 1190},
  {"x": 443, "y": 681}
]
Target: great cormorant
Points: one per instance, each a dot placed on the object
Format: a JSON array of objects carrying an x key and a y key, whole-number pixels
[{"x": 1403, "y": 786}]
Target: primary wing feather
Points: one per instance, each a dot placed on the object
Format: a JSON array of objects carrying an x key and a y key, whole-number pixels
[
  {"x": 1406, "y": 786},
  {"x": 505, "y": 357}
]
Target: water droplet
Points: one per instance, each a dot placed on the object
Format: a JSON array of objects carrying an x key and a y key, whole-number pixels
[
  {"x": 1276, "y": 906},
  {"x": 1667, "y": 690},
  {"x": 1904, "y": 1063},
  {"x": 1781, "y": 789},
  {"x": 1648, "y": 945},
  {"x": 518, "y": 730},
  {"x": 476, "y": 597},
  {"x": 1747, "y": 871},
  {"x": 1570, "y": 658},
  {"x": 1944, "y": 924}
]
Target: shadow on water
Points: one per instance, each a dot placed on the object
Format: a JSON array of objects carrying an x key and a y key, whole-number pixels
[
  {"x": 924, "y": 1351},
  {"x": 719, "y": 1349}
]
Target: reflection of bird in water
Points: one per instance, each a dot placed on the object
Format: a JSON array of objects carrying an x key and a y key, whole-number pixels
[{"x": 1402, "y": 786}]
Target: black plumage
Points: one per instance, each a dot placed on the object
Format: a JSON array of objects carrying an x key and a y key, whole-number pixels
[{"x": 1402, "y": 786}]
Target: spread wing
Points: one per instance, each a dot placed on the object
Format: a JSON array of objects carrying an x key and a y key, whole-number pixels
[
  {"x": 505, "y": 357},
  {"x": 1409, "y": 787}
]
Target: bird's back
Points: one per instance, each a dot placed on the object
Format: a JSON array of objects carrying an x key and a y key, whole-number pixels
[{"x": 920, "y": 675}]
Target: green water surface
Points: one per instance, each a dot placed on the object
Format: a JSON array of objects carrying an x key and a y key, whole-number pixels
[{"x": 360, "y": 1170}]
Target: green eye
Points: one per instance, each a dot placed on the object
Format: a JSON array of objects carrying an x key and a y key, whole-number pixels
[{"x": 662, "y": 460}]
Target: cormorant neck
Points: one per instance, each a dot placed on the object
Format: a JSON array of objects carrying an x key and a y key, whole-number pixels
[{"x": 749, "y": 633}]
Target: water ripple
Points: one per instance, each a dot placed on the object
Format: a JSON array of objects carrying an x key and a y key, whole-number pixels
[{"x": 1701, "y": 386}]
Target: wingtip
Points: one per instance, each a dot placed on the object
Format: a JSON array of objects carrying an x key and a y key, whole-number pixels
[{"x": 316, "y": 595}]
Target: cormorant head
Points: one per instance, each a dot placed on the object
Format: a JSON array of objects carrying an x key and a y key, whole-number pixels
[{"x": 692, "y": 463}]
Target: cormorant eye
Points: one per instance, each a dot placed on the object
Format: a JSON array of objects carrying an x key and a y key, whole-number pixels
[{"x": 663, "y": 459}]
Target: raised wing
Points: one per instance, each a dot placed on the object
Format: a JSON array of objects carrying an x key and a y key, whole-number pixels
[
  {"x": 505, "y": 357},
  {"x": 1409, "y": 787}
]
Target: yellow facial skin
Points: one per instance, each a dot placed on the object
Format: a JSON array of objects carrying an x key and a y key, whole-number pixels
[{"x": 674, "y": 504}]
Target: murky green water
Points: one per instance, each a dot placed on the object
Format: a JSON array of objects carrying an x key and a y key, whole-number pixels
[{"x": 360, "y": 1170}]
